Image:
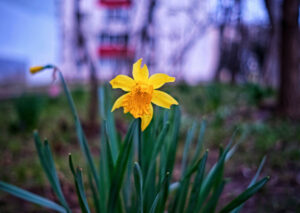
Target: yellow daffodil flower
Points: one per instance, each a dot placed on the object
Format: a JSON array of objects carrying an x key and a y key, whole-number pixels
[
  {"x": 36, "y": 69},
  {"x": 142, "y": 92}
]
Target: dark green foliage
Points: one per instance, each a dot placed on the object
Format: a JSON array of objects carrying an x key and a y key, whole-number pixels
[
  {"x": 256, "y": 93},
  {"x": 28, "y": 109},
  {"x": 121, "y": 185}
]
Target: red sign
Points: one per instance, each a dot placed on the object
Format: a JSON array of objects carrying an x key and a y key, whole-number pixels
[
  {"x": 115, "y": 3},
  {"x": 115, "y": 51}
]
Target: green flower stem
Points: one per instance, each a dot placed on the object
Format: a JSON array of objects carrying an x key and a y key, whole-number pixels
[{"x": 140, "y": 144}]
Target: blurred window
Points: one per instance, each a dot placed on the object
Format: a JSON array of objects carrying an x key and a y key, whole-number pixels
[
  {"x": 121, "y": 15},
  {"x": 109, "y": 39}
]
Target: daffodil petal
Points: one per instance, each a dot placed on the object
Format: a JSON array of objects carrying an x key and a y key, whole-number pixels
[
  {"x": 146, "y": 119},
  {"x": 138, "y": 73},
  {"x": 123, "y": 82},
  {"x": 119, "y": 102},
  {"x": 159, "y": 79},
  {"x": 163, "y": 99}
]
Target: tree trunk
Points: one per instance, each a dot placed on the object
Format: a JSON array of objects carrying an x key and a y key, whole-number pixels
[
  {"x": 289, "y": 91},
  {"x": 271, "y": 65}
]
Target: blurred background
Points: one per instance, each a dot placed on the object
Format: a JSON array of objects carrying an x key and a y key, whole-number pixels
[{"x": 236, "y": 63}]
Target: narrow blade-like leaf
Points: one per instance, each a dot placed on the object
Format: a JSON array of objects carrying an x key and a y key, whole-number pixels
[
  {"x": 79, "y": 186},
  {"x": 80, "y": 134},
  {"x": 236, "y": 210},
  {"x": 120, "y": 168},
  {"x": 33, "y": 198},
  {"x": 245, "y": 195},
  {"x": 138, "y": 180}
]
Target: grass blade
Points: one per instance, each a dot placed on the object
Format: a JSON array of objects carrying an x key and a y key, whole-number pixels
[
  {"x": 188, "y": 142},
  {"x": 180, "y": 198},
  {"x": 138, "y": 180},
  {"x": 199, "y": 141},
  {"x": 157, "y": 148},
  {"x": 96, "y": 199},
  {"x": 158, "y": 205},
  {"x": 197, "y": 185},
  {"x": 140, "y": 145},
  {"x": 174, "y": 141},
  {"x": 252, "y": 182},
  {"x": 107, "y": 115},
  {"x": 245, "y": 195},
  {"x": 33, "y": 198},
  {"x": 211, "y": 179},
  {"x": 213, "y": 201},
  {"x": 79, "y": 186},
  {"x": 80, "y": 134},
  {"x": 120, "y": 168},
  {"x": 46, "y": 160},
  {"x": 212, "y": 176}
]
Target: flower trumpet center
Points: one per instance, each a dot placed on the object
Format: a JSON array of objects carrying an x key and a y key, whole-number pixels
[{"x": 138, "y": 100}]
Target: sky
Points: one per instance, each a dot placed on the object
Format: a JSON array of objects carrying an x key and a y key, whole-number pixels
[
  {"x": 29, "y": 33},
  {"x": 254, "y": 11}
]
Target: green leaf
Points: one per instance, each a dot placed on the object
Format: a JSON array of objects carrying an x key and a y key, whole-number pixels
[
  {"x": 128, "y": 184},
  {"x": 96, "y": 199},
  {"x": 106, "y": 166},
  {"x": 211, "y": 179},
  {"x": 157, "y": 148},
  {"x": 214, "y": 173},
  {"x": 79, "y": 187},
  {"x": 149, "y": 138},
  {"x": 154, "y": 205},
  {"x": 199, "y": 141},
  {"x": 197, "y": 185},
  {"x": 180, "y": 199},
  {"x": 107, "y": 115},
  {"x": 182, "y": 195},
  {"x": 245, "y": 195},
  {"x": 159, "y": 202},
  {"x": 138, "y": 180},
  {"x": 236, "y": 210},
  {"x": 150, "y": 190},
  {"x": 220, "y": 173},
  {"x": 213, "y": 201},
  {"x": 80, "y": 134},
  {"x": 258, "y": 171},
  {"x": 140, "y": 145},
  {"x": 33, "y": 198},
  {"x": 235, "y": 146},
  {"x": 120, "y": 168},
  {"x": 188, "y": 142},
  {"x": 174, "y": 141},
  {"x": 46, "y": 159}
]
